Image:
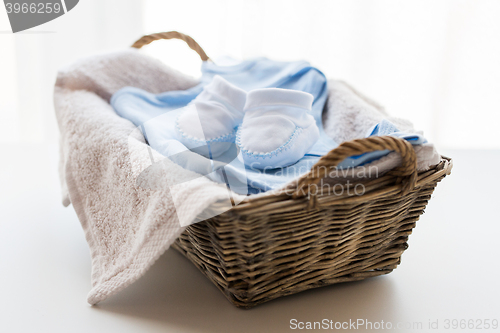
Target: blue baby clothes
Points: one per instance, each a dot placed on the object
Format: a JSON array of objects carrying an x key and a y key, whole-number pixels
[
  {"x": 207, "y": 125},
  {"x": 277, "y": 129},
  {"x": 156, "y": 116}
]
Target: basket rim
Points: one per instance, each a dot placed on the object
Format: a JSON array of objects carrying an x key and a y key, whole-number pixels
[{"x": 376, "y": 188}]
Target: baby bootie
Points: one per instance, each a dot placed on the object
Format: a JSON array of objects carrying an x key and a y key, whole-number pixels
[
  {"x": 208, "y": 124},
  {"x": 277, "y": 129}
]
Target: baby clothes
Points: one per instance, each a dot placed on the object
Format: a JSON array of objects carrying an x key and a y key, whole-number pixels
[
  {"x": 277, "y": 129},
  {"x": 208, "y": 124},
  {"x": 156, "y": 116}
]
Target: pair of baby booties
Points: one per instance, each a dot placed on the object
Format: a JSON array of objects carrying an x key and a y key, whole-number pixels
[{"x": 272, "y": 127}]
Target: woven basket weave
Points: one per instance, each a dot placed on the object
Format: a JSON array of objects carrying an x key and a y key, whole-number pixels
[{"x": 272, "y": 246}]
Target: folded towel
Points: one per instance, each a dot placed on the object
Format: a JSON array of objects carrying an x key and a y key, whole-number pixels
[
  {"x": 131, "y": 201},
  {"x": 127, "y": 224}
]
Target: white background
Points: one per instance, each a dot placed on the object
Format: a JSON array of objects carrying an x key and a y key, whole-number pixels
[{"x": 433, "y": 62}]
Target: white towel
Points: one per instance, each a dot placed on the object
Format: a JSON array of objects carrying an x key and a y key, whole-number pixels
[{"x": 128, "y": 224}]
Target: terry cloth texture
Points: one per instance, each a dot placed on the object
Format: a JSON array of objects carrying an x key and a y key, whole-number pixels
[
  {"x": 131, "y": 201},
  {"x": 124, "y": 201}
]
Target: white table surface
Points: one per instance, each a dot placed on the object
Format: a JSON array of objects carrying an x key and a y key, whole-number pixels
[{"x": 450, "y": 271}]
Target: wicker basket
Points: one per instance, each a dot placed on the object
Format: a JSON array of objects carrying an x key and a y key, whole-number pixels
[{"x": 278, "y": 245}]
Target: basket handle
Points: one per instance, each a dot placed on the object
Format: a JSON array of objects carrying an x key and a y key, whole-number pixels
[
  {"x": 145, "y": 40},
  {"x": 407, "y": 172}
]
